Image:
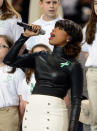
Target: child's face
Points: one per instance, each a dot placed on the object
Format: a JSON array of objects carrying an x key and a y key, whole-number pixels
[
  {"x": 58, "y": 37},
  {"x": 95, "y": 6},
  {"x": 3, "y": 49},
  {"x": 50, "y": 8}
]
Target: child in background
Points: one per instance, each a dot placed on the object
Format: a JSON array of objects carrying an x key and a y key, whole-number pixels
[
  {"x": 11, "y": 103},
  {"x": 47, "y": 22},
  {"x": 8, "y": 21},
  {"x": 90, "y": 47}
]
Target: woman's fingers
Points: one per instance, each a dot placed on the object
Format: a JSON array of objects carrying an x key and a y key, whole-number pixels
[
  {"x": 35, "y": 31},
  {"x": 36, "y": 28}
]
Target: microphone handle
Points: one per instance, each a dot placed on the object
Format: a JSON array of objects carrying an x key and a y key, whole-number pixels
[{"x": 26, "y": 26}]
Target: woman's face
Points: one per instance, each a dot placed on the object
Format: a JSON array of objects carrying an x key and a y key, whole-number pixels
[
  {"x": 1, "y": 3},
  {"x": 58, "y": 37},
  {"x": 95, "y": 6},
  {"x": 3, "y": 49}
]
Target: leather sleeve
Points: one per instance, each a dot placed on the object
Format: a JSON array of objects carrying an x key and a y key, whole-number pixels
[
  {"x": 13, "y": 59},
  {"x": 25, "y": 51},
  {"x": 76, "y": 79}
]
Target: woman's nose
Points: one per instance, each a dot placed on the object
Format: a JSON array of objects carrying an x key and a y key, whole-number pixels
[{"x": 53, "y": 30}]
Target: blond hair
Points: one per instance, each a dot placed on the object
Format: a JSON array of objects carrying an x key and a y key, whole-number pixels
[{"x": 8, "y": 11}]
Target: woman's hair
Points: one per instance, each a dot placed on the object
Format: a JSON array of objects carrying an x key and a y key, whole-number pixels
[
  {"x": 91, "y": 26},
  {"x": 73, "y": 47},
  {"x": 29, "y": 72},
  {"x": 8, "y": 11},
  {"x": 9, "y": 42}
]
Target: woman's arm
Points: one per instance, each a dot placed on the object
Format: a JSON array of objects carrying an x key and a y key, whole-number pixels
[
  {"x": 76, "y": 79},
  {"x": 15, "y": 60},
  {"x": 21, "y": 61}
]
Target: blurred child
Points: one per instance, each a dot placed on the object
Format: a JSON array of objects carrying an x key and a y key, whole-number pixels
[
  {"x": 47, "y": 22},
  {"x": 90, "y": 47},
  {"x": 8, "y": 21},
  {"x": 11, "y": 104}
]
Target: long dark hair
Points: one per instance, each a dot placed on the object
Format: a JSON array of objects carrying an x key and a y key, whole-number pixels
[
  {"x": 73, "y": 47},
  {"x": 29, "y": 72},
  {"x": 91, "y": 26},
  {"x": 8, "y": 11}
]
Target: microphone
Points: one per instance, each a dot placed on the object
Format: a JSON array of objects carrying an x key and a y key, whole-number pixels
[{"x": 26, "y": 26}]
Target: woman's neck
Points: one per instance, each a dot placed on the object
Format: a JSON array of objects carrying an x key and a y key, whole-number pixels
[{"x": 59, "y": 51}]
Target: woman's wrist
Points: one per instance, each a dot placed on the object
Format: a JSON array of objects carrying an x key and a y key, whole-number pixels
[{"x": 25, "y": 34}]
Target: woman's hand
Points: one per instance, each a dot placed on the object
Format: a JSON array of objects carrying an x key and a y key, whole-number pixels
[{"x": 36, "y": 31}]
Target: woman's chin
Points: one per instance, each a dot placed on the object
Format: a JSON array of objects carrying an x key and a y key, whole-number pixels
[{"x": 51, "y": 43}]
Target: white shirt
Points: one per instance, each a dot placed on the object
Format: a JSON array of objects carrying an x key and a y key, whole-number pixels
[
  {"x": 10, "y": 28},
  {"x": 85, "y": 46},
  {"x": 92, "y": 50},
  {"x": 47, "y": 26},
  {"x": 10, "y": 86},
  {"x": 28, "y": 88}
]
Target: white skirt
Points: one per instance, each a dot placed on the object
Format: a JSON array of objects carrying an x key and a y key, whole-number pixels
[
  {"x": 85, "y": 112},
  {"x": 45, "y": 113}
]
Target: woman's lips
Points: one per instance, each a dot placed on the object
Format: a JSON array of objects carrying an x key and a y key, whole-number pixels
[{"x": 52, "y": 36}]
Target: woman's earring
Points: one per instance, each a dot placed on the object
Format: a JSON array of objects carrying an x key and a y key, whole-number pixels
[{"x": 68, "y": 40}]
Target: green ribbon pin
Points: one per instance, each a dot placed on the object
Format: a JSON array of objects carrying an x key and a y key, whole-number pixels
[
  {"x": 31, "y": 87},
  {"x": 64, "y": 64}
]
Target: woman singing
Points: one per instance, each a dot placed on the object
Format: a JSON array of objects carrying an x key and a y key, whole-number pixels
[{"x": 55, "y": 74}]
